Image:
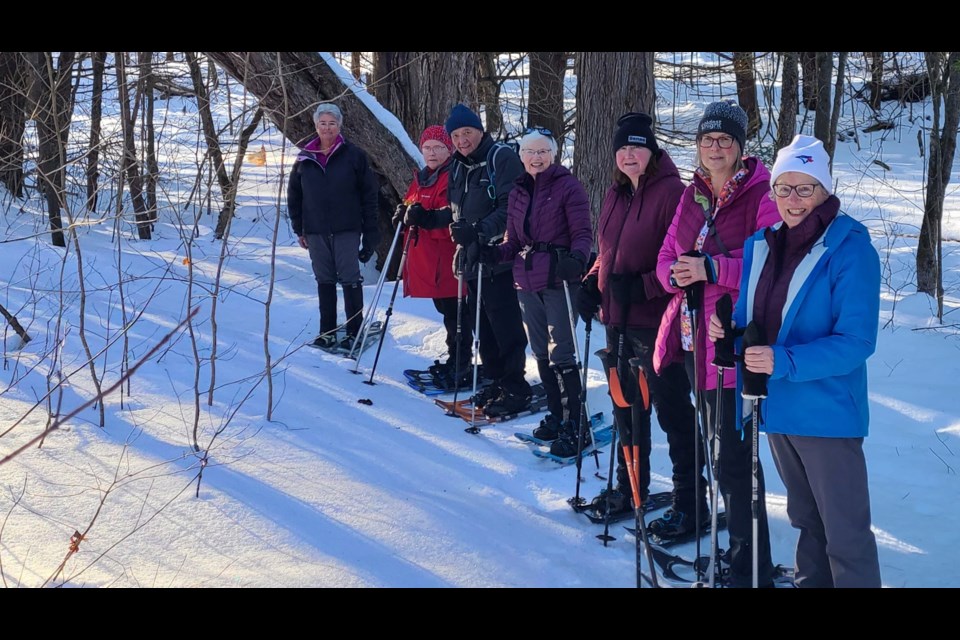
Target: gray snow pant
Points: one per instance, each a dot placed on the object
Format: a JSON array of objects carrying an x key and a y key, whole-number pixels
[
  {"x": 547, "y": 321},
  {"x": 335, "y": 259},
  {"x": 828, "y": 500}
]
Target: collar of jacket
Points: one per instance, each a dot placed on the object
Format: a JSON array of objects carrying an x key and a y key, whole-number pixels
[{"x": 426, "y": 177}]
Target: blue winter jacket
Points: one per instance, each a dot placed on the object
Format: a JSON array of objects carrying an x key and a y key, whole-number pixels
[{"x": 830, "y": 319}]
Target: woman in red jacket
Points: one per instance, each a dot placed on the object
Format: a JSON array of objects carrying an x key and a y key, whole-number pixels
[{"x": 428, "y": 271}]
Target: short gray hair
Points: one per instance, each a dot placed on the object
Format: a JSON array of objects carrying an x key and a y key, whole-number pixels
[
  {"x": 327, "y": 107},
  {"x": 534, "y": 136}
]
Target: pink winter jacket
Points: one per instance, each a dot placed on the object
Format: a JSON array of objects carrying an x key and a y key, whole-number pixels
[{"x": 748, "y": 210}]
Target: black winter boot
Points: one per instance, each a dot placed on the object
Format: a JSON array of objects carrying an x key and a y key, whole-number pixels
[
  {"x": 569, "y": 377},
  {"x": 551, "y": 384},
  {"x": 328, "y": 307},
  {"x": 353, "y": 307},
  {"x": 566, "y": 445},
  {"x": 549, "y": 429}
]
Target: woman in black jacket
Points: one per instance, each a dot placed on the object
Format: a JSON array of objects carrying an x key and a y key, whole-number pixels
[{"x": 332, "y": 200}]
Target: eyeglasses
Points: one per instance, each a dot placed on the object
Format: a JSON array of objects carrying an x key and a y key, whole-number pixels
[
  {"x": 541, "y": 130},
  {"x": 440, "y": 148},
  {"x": 537, "y": 152},
  {"x": 724, "y": 142},
  {"x": 803, "y": 190}
]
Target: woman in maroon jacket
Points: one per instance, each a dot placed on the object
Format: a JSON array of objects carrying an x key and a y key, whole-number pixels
[
  {"x": 623, "y": 286},
  {"x": 548, "y": 239},
  {"x": 427, "y": 272}
]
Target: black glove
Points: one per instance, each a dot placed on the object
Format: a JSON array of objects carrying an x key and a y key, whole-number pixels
[
  {"x": 416, "y": 216},
  {"x": 488, "y": 256},
  {"x": 723, "y": 350},
  {"x": 398, "y": 214},
  {"x": 463, "y": 233},
  {"x": 754, "y": 384},
  {"x": 570, "y": 266},
  {"x": 588, "y": 300},
  {"x": 368, "y": 247},
  {"x": 627, "y": 289}
]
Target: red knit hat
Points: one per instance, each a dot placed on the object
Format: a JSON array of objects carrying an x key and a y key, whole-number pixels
[{"x": 436, "y": 132}]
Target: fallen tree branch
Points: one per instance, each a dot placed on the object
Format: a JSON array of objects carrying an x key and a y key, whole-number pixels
[{"x": 15, "y": 324}]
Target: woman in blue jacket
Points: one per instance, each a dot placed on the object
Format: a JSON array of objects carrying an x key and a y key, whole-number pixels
[{"x": 812, "y": 286}]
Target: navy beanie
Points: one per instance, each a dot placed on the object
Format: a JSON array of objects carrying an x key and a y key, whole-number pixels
[
  {"x": 462, "y": 116},
  {"x": 726, "y": 117},
  {"x": 635, "y": 129}
]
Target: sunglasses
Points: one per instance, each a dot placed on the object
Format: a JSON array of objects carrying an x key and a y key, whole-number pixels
[{"x": 541, "y": 130}]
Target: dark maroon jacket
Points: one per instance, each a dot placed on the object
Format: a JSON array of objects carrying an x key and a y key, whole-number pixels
[
  {"x": 559, "y": 215},
  {"x": 630, "y": 232}
]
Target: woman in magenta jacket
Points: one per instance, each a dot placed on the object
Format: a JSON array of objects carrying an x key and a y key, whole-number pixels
[{"x": 725, "y": 204}]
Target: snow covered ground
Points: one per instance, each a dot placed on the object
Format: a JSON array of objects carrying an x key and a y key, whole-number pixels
[{"x": 332, "y": 492}]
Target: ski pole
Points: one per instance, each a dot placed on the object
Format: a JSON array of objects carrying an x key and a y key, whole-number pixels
[
  {"x": 473, "y": 428},
  {"x": 460, "y": 295},
  {"x": 693, "y": 302},
  {"x": 632, "y": 460},
  {"x": 605, "y": 536},
  {"x": 715, "y": 485},
  {"x": 583, "y": 421},
  {"x": 723, "y": 359},
  {"x": 393, "y": 297},
  {"x": 755, "y": 390},
  {"x": 368, "y": 317}
]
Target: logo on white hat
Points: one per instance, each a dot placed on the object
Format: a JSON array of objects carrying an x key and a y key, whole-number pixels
[{"x": 805, "y": 159}]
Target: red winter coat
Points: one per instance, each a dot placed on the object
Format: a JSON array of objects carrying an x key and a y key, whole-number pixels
[{"x": 428, "y": 272}]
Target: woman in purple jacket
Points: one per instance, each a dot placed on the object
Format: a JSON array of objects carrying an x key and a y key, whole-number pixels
[
  {"x": 548, "y": 238},
  {"x": 723, "y": 206},
  {"x": 623, "y": 286}
]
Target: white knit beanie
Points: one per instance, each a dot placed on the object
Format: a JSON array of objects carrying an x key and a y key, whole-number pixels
[{"x": 804, "y": 154}]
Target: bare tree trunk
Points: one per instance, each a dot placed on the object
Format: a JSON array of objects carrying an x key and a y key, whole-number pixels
[
  {"x": 145, "y": 84},
  {"x": 488, "y": 92},
  {"x": 609, "y": 84},
  {"x": 875, "y": 58},
  {"x": 808, "y": 64},
  {"x": 213, "y": 144},
  {"x": 130, "y": 167},
  {"x": 547, "y": 71},
  {"x": 821, "y": 123},
  {"x": 13, "y": 86},
  {"x": 943, "y": 69},
  {"x": 420, "y": 87},
  {"x": 393, "y": 87},
  {"x": 355, "y": 64},
  {"x": 444, "y": 79},
  {"x": 787, "y": 125},
  {"x": 747, "y": 89},
  {"x": 830, "y": 144},
  {"x": 52, "y": 114},
  {"x": 98, "y": 61}
]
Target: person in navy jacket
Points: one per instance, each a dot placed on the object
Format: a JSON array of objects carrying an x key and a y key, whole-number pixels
[
  {"x": 332, "y": 201},
  {"x": 812, "y": 285}
]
